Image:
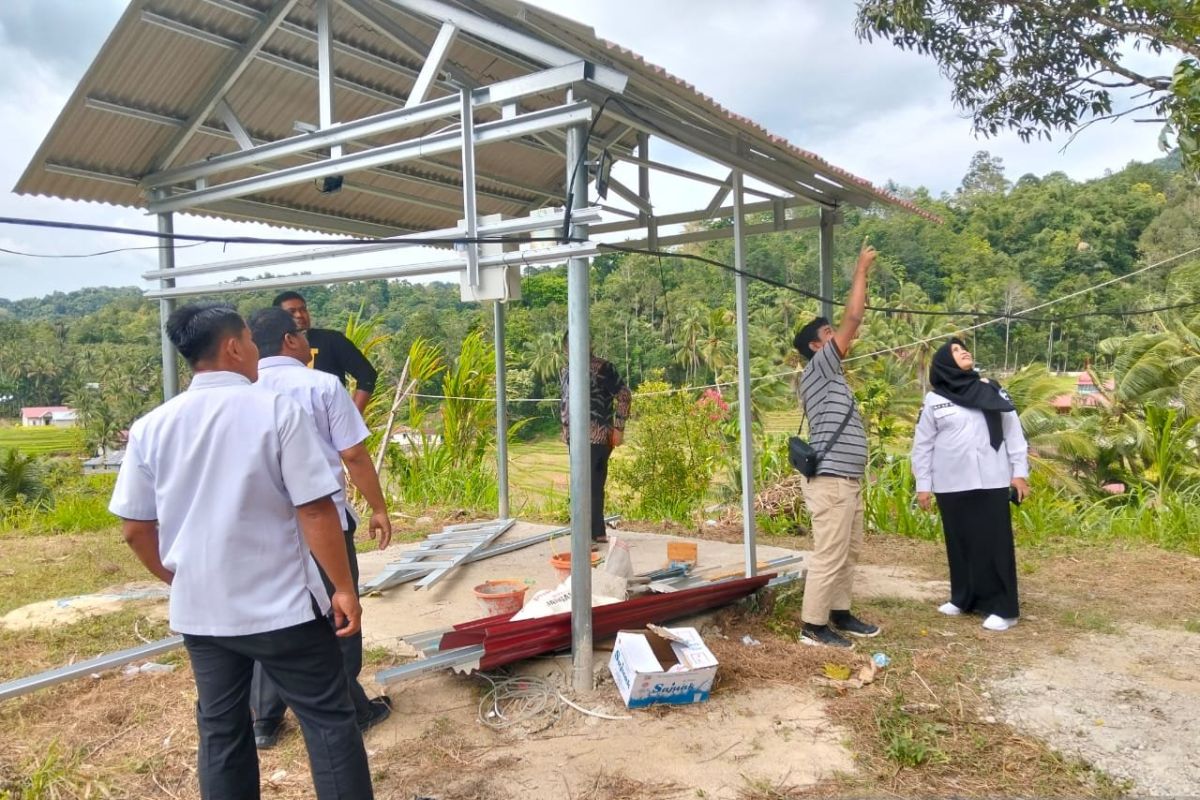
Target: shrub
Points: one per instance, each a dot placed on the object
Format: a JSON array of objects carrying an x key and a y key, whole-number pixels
[{"x": 673, "y": 457}]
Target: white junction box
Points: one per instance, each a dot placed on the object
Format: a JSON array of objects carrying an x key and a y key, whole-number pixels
[
  {"x": 495, "y": 283},
  {"x": 662, "y": 665}
]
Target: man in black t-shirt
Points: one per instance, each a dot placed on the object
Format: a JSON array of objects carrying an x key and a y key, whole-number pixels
[{"x": 332, "y": 352}]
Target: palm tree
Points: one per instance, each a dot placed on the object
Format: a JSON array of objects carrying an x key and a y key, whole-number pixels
[
  {"x": 689, "y": 330},
  {"x": 1066, "y": 446},
  {"x": 544, "y": 355},
  {"x": 21, "y": 477},
  {"x": 716, "y": 351},
  {"x": 1158, "y": 367}
]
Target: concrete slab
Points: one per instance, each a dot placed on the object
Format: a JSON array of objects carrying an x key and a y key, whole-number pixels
[{"x": 403, "y": 610}]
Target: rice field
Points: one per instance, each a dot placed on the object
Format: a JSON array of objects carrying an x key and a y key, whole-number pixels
[{"x": 42, "y": 441}]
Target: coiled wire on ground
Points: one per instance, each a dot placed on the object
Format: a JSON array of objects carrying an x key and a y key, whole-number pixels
[
  {"x": 512, "y": 701},
  {"x": 527, "y": 700}
]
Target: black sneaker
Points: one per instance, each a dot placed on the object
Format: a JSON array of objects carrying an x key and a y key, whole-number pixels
[
  {"x": 381, "y": 709},
  {"x": 846, "y": 622},
  {"x": 266, "y": 734},
  {"x": 822, "y": 635}
]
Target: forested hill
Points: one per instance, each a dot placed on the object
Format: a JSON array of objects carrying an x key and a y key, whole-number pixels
[{"x": 1005, "y": 244}]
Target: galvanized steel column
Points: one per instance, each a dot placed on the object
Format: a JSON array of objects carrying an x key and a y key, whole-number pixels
[
  {"x": 501, "y": 411},
  {"x": 579, "y": 413},
  {"x": 827, "y": 216},
  {"x": 745, "y": 409},
  {"x": 166, "y": 260}
]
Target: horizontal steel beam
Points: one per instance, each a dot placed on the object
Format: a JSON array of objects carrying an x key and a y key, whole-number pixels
[
  {"x": 712, "y": 234},
  {"x": 495, "y": 229},
  {"x": 670, "y": 169},
  {"x": 702, "y": 215},
  {"x": 135, "y": 112},
  {"x": 712, "y": 146},
  {"x": 549, "y": 255},
  {"x": 250, "y": 209},
  {"x": 346, "y": 132},
  {"x": 285, "y": 62},
  {"x": 82, "y": 669},
  {"x": 499, "y": 130}
]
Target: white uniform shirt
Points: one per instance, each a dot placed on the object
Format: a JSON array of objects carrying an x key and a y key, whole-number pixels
[
  {"x": 222, "y": 467},
  {"x": 339, "y": 425},
  {"x": 952, "y": 452}
]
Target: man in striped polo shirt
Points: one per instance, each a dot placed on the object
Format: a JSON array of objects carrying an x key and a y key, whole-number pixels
[{"x": 834, "y": 494}]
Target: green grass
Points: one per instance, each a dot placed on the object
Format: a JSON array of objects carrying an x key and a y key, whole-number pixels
[{"x": 42, "y": 441}]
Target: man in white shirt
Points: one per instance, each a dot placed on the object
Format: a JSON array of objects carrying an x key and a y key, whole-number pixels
[
  {"x": 224, "y": 494},
  {"x": 283, "y": 350}
]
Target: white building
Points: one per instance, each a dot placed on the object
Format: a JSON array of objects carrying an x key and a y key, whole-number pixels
[{"x": 49, "y": 416}]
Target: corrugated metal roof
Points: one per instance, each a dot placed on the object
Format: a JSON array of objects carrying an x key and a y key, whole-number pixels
[{"x": 157, "y": 67}]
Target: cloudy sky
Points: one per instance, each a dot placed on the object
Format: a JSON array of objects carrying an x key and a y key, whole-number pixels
[{"x": 794, "y": 66}]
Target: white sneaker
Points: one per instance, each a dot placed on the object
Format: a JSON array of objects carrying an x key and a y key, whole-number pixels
[
  {"x": 996, "y": 623},
  {"x": 949, "y": 609}
]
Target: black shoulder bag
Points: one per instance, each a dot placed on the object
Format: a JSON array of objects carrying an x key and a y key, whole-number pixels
[{"x": 804, "y": 456}]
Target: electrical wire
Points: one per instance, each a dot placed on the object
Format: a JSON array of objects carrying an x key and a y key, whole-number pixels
[
  {"x": 513, "y": 701},
  {"x": 97, "y": 253},
  {"x": 1022, "y": 315},
  {"x": 199, "y": 239},
  {"x": 285, "y": 241},
  {"x": 1017, "y": 316}
]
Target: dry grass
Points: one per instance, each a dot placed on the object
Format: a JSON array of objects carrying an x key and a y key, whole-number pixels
[
  {"x": 922, "y": 729},
  {"x": 619, "y": 786},
  {"x": 35, "y": 568}
]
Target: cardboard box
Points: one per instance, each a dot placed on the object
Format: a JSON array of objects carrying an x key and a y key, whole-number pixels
[{"x": 662, "y": 665}]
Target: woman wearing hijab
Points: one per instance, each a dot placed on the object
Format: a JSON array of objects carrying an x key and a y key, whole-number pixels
[{"x": 969, "y": 453}]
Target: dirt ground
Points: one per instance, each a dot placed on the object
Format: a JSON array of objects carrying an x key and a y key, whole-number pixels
[{"x": 1092, "y": 694}]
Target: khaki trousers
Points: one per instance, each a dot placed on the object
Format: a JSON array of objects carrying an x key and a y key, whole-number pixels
[{"x": 836, "y": 508}]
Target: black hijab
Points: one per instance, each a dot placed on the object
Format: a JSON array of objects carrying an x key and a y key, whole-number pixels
[{"x": 964, "y": 387}]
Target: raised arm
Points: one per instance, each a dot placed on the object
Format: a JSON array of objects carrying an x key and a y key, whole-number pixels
[{"x": 856, "y": 302}]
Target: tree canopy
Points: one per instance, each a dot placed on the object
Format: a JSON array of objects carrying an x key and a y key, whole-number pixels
[{"x": 1040, "y": 66}]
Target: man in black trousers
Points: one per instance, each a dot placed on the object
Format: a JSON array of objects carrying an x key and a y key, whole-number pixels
[
  {"x": 225, "y": 495},
  {"x": 609, "y": 409}
]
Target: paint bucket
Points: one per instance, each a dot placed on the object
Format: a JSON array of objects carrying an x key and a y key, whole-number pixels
[
  {"x": 562, "y": 564},
  {"x": 500, "y": 597}
]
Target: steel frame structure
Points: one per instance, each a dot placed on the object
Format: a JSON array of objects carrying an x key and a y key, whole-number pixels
[{"x": 244, "y": 182}]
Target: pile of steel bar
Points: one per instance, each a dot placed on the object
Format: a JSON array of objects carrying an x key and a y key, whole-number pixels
[
  {"x": 505, "y": 642},
  {"x": 404, "y": 570}
]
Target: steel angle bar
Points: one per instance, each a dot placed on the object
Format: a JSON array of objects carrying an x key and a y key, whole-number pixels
[
  {"x": 41, "y": 680},
  {"x": 506, "y": 227},
  {"x": 532, "y": 47},
  {"x": 423, "y": 147},
  {"x": 547, "y": 255},
  {"x": 394, "y": 574},
  {"x": 486, "y": 536},
  {"x": 462, "y": 657},
  {"x": 346, "y": 132}
]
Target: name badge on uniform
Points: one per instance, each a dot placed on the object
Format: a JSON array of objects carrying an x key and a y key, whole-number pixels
[{"x": 943, "y": 410}]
